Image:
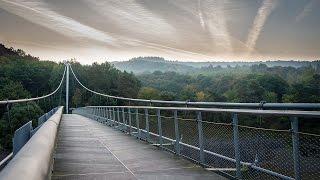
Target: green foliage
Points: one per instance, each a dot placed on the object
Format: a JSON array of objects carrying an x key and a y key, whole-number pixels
[
  {"x": 239, "y": 84},
  {"x": 148, "y": 93},
  {"x": 12, "y": 90},
  {"x": 306, "y": 91},
  {"x": 102, "y": 78},
  {"x": 19, "y": 115}
]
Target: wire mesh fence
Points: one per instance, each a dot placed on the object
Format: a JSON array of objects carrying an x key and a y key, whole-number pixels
[{"x": 215, "y": 139}]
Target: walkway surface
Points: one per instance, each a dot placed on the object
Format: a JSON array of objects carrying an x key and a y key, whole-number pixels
[{"x": 87, "y": 149}]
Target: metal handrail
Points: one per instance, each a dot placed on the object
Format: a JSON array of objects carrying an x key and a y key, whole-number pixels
[
  {"x": 260, "y": 105},
  {"x": 107, "y": 115},
  {"x": 36, "y": 98},
  {"x": 289, "y": 113}
]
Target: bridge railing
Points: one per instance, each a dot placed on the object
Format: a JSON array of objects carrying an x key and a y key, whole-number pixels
[
  {"x": 219, "y": 140},
  {"x": 26, "y": 134}
]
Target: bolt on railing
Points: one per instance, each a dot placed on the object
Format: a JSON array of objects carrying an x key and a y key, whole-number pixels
[{"x": 230, "y": 148}]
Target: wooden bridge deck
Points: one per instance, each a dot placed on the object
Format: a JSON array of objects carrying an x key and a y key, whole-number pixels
[{"x": 88, "y": 150}]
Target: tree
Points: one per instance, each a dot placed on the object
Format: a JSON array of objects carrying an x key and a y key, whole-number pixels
[
  {"x": 306, "y": 91},
  {"x": 188, "y": 93},
  {"x": 167, "y": 96},
  {"x": 273, "y": 84},
  {"x": 19, "y": 115},
  {"x": 12, "y": 90},
  {"x": 148, "y": 93}
]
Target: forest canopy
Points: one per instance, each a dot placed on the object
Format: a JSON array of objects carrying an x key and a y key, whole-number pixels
[
  {"x": 24, "y": 76},
  {"x": 246, "y": 83}
]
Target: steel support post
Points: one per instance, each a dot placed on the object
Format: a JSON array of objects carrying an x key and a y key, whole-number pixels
[
  {"x": 200, "y": 133},
  {"x": 124, "y": 120},
  {"x": 118, "y": 116},
  {"x": 137, "y": 122},
  {"x": 106, "y": 115},
  {"x": 129, "y": 115},
  {"x": 147, "y": 125},
  {"x": 110, "y": 114},
  {"x": 159, "y": 128},
  {"x": 176, "y": 130},
  {"x": 113, "y": 117},
  {"x": 236, "y": 144},
  {"x": 295, "y": 146}
]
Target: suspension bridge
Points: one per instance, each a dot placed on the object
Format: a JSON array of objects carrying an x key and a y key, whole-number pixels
[{"x": 155, "y": 139}]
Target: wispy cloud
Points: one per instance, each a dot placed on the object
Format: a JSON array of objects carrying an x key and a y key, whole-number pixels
[
  {"x": 183, "y": 29},
  {"x": 202, "y": 23},
  {"x": 132, "y": 17},
  {"x": 259, "y": 21},
  {"x": 38, "y": 13},
  {"x": 306, "y": 10},
  {"x": 217, "y": 24}
]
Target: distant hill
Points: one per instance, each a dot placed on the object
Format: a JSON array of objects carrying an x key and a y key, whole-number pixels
[
  {"x": 150, "y": 64},
  {"x": 142, "y": 65}
]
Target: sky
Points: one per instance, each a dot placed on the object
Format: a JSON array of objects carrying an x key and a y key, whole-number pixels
[{"x": 188, "y": 30}]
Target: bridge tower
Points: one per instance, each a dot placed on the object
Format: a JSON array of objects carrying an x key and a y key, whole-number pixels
[{"x": 67, "y": 87}]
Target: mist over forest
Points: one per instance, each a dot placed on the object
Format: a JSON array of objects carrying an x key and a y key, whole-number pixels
[{"x": 142, "y": 65}]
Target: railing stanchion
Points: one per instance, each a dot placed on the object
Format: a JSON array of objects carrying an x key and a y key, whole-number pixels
[
  {"x": 98, "y": 114},
  {"x": 124, "y": 120},
  {"x": 107, "y": 112},
  {"x": 295, "y": 146},
  {"x": 177, "y": 134},
  {"x": 113, "y": 117},
  {"x": 137, "y": 122},
  {"x": 147, "y": 125},
  {"x": 104, "y": 115},
  {"x": 129, "y": 114},
  {"x": 110, "y": 115},
  {"x": 200, "y": 133},
  {"x": 236, "y": 144},
  {"x": 118, "y": 115},
  {"x": 159, "y": 128}
]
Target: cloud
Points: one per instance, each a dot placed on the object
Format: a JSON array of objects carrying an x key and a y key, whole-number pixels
[
  {"x": 38, "y": 13},
  {"x": 217, "y": 24},
  {"x": 212, "y": 18},
  {"x": 263, "y": 13},
  {"x": 200, "y": 15},
  {"x": 306, "y": 10},
  {"x": 131, "y": 16}
]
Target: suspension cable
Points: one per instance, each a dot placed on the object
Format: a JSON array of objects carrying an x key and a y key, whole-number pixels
[
  {"x": 106, "y": 95},
  {"x": 215, "y": 104},
  {"x": 37, "y": 98}
]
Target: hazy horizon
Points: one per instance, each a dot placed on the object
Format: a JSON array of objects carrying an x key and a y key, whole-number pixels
[{"x": 183, "y": 30}]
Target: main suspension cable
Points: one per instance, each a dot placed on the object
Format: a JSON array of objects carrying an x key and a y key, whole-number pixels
[
  {"x": 106, "y": 95},
  {"x": 36, "y": 98}
]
